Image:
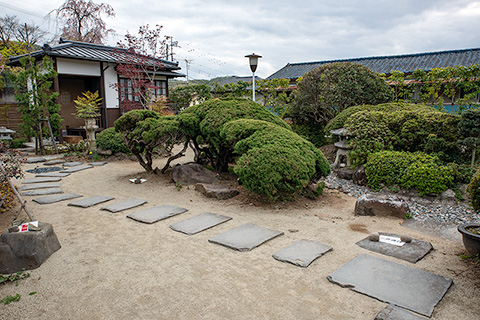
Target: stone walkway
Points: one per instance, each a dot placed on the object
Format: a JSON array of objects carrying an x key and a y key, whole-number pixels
[{"x": 420, "y": 294}]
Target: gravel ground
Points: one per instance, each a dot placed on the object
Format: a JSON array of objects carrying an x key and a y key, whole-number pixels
[{"x": 436, "y": 210}]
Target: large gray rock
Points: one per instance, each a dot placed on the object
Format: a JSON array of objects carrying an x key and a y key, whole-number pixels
[
  {"x": 27, "y": 250},
  {"x": 191, "y": 174},
  {"x": 346, "y": 174},
  {"x": 381, "y": 205},
  {"x": 359, "y": 176},
  {"x": 218, "y": 191}
]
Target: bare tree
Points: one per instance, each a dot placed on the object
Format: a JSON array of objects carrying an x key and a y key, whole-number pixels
[
  {"x": 30, "y": 34},
  {"x": 82, "y": 20},
  {"x": 17, "y": 37},
  {"x": 8, "y": 30}
]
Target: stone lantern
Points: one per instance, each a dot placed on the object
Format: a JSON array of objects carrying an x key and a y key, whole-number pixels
[
  {"x": 5, "y": 133},
  {"x": 342, "y": 147}
]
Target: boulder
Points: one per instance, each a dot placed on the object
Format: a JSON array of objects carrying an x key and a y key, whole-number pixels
[
  {"x": 449, "y": 195},
  {"x": 344, "y": 174},
  {"x": 104, "y": 152},
  {"x": 381, "y": 205},
  {"x": 359, "y": 176},
  {"x": 27, "y": 250},
  {"x": 191, "y": 174},
  {"x": 218, "y": 191}
]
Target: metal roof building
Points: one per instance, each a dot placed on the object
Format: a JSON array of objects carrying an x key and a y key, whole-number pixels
[{"x": 406, "y": 63}]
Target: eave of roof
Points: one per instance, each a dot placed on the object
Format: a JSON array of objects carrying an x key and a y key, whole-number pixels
[
  {"x": 406, "y": 63},
  {"x": 88, "y": 51}
]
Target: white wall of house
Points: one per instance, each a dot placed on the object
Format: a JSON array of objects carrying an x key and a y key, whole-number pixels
[
  {"x": 111, "y": 94},
  {"x": 78, "y": 67}
]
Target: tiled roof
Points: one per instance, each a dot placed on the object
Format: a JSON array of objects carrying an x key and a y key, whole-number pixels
[
  {"x": 406, "y": 63},
  {"x": 88, "y": 51}
]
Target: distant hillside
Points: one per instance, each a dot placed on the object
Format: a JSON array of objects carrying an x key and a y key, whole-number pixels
[{"x": 219, "y": 80}]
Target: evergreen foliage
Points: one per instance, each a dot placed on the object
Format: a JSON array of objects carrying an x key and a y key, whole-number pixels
[{"x": 109, "y": 139}]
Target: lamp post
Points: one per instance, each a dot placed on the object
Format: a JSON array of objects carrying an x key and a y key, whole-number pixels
[{"x": 253, "y": 60}]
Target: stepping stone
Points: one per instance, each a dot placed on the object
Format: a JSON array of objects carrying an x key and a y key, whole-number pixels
[
  {"x": 199, "y": 223},
  {"x": 53, "y": 174},
  {"x": 75, "y": 169},
  {"x": 124, "y": 205},
  {"x": 411, "y": 252},
  {"x": 35, "y": 160},
  {"x": 57, "y": 198},
  {"x": 302, "y": 253},
  {"x": 98, "y": 163},
  {"x": 35, "y": 186},
  {"x": 156, "y": 213},
  {"x": 41, "y": 180},
  {"x": 72, "y": 164},
  {"x": 246, "y": 237},
  {"x": 89, "y": 202},
  {"x": 406, "y": 287},
  {"x": 392, "y": 312},
  {"x": 54, "y": 162},
  {"x": 41, "y": 192}
]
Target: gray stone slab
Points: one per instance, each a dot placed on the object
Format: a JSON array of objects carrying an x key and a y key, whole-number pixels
[
  {"x": 89, "y": 202},
  {"x": 57, "y": 198},
  {"x": 406, "y": 287},
  {"x": 35, "y": 186},
  {"x": 435, "y": 228},
  {"x": 76, "y": 169},
  {"x": 53, "y": 174},
  {"x": 53, "y": 162},
  {"x": 72, "y": 164},
  {"x": 199, "y": 223},
  {"x": 41, "y": 180},
  {"x": 42, "y": 192},
  {"x": 246, "y": 237},
  {"x": 302, "y": 253},
  {"x": 411, "y": 252},
  {"x": 392, "y": 312},
  {"x": 98, "y": 163},
  {"x": 156, "y": 213},
  {"x": 35, "y": 160},
  {"x": 124, "y": 205}
]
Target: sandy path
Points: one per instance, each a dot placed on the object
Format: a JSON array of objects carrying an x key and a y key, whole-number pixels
[{"x": 111, "y": 267}]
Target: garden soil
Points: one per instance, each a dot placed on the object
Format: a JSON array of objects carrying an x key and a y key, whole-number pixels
[{"x": 112, "y": 267}]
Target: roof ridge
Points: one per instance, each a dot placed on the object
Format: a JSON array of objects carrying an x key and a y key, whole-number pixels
[{"x": 386, "y": 57}]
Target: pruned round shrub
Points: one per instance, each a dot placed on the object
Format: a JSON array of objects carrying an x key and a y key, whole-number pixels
[
  {"x": 408, "y": 170},
  {"x": 273, "y": 160},
  {"x": 474, "y": 190},
  {"x": 109, "y": 139}
]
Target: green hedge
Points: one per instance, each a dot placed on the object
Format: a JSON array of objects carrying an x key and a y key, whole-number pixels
[
  {"x": 273, "y": 160},
  {"x": 109, "y": 139},
  {"x": 474, "y": 190},
  {"x": 417, "y": 170}
]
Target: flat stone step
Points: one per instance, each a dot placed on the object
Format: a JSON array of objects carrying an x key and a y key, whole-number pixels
[
  {"x": 57, "y": 198},
  {"x": 35, "y": 186},
  {"x": 41, "y": 180},
  {"x": 35, "y": 160},
  {"x": 41, "y": 192},
  {"x": 89, "y": 202},
  {"x": 302, "y": 253},
  {"x": 199, "y": 223},
  {"x": 156, "y": 213},
  {"x": 246, "y": 237},
  {"x": 72, "y": 164},
  {"x": 411, "y": 252},
  {"x": 53, "y": 162},
  {"x": 75, "y": 169},
  {"x": 124, "y": 205},
  {"x": 403, "y": 286},
  {"x": 53, "y": 174},
  {"x": 98, "y": 163}
]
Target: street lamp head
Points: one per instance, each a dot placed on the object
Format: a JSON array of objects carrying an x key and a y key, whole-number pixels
[{"x": 253, "y": 59}]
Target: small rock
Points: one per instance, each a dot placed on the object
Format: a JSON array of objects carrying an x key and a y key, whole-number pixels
[
  {"x": 31, "y": 227},
  {"x": 374, "y": 237},
  {"x": 406, "y": 238},
  {"x": 138, "y": 181},
  {"x": 13, "y": 229},
  {"x": 292, "y": 230}
]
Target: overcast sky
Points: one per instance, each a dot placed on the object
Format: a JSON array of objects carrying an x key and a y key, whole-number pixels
[{"x": 215, "y": 35}]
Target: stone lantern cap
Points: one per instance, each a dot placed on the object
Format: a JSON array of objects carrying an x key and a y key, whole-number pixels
[
  {"x": 342, "y": 132},
  {"x": 5, "y": 133}
]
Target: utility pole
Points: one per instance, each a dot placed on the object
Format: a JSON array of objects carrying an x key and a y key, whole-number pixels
[
  {"x": 187, "y": 66},
  {"x": 171, "y": 46}
]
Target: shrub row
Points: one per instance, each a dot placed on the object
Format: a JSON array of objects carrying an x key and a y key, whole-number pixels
[{"x": 417, "y": 170}]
